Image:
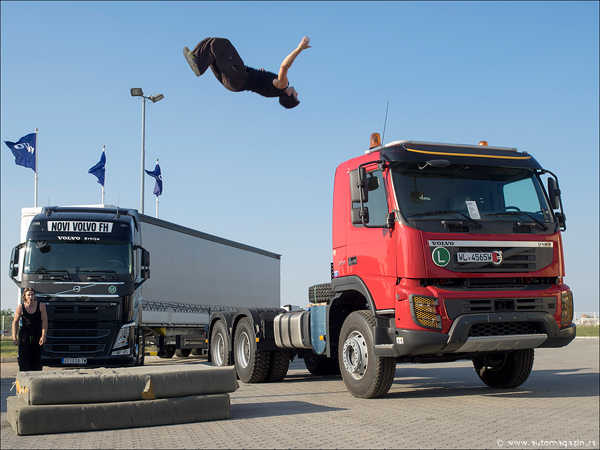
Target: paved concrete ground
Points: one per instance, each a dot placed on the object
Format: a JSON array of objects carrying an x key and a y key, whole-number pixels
[{"x": 429, "y": 406}]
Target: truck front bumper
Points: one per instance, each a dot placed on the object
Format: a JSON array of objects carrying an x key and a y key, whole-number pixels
[{"x": 459, "y": 340}]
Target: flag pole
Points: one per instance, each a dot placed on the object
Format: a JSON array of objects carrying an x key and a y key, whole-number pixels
[
  {"x": 103, "y": 151},
  {"x": 35, "y": 198},
  {"x": 157, "y": 197},
  {"x": 143, "y": 153}
]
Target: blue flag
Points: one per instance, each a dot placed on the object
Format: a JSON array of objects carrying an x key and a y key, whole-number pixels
[
  {"x": 157, "y": 176},
  {"x": 24, "y": 150},
  {"x": 98, "y": 169}
]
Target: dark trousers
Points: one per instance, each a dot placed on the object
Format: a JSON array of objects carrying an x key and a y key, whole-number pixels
[
  {"x": 30, "y": 353},
  {"x": 224, "y": 61}
]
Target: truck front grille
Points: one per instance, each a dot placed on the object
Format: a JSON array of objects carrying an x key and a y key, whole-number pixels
[
  {"x": 457, "y": 307},
  {"x": 73, "y": 349},
  {"x": 502, "y": 329},
  {"x": 78, "y": 333}
]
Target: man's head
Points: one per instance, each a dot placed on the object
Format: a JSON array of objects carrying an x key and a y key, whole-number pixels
[{"x": 289, "y": 98}]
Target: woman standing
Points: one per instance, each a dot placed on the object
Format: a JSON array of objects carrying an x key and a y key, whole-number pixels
[{"x": 32, "y": 334}]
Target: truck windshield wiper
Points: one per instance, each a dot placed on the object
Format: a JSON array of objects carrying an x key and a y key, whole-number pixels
[
  {"x": 99, "y": 274},
  {"x": 66, "y": 274},
  {"x": 519, "y": 213},
  {"x": 450, "y": 211}
]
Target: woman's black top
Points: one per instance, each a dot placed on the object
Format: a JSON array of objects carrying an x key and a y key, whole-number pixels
[{"x": 31, "y": 324}]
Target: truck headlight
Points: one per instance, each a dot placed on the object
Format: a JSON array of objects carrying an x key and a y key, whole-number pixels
[
  {"x": 123, "y": 336},
  {"x": 424, "y": 312},
  {"x": 566, "y": 316}
]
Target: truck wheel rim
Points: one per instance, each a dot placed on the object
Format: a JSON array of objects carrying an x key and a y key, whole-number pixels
[
  {"x": 219, "y": 350},
  {"x": 243, "y": 350},
  {"x": 354, "y": 354}
]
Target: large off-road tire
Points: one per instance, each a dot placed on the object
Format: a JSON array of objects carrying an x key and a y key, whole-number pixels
[
  {"x": 252, "y": 365},
  {"x": 320, "y": 293},
  {"x": 505, "y": 371},
  {"x": 365, "y": 375},
  {"x": 220, "y": 352},
  {"x": 322, "y": 366},
  {"x": 280, "y": 363},
  {"x": 183, "y": 352}
]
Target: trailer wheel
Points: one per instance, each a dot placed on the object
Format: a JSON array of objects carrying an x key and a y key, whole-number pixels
[
  {"x": 219, "y": 345},
  {"x": 141, "y": 348},
  {"x": 322, "y": 366},
  {"x": 183, "y": 352},
  {"x": 505, "y": 371},
  {"x": 280, "y": 363},
  {"x": 169, "y": 352},
  {"x": 252, "y": 365},
  {"x": 365, "y": 375}
]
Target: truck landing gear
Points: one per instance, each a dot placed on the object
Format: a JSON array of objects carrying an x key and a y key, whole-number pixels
[
  {"x": 365, "y": 375},
  {"x": 505, "y": 371}
]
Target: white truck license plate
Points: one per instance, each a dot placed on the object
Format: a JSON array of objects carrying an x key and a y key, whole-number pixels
[
  {"x": 474, "y": 257},
  {"x": 74, "y": 361}
]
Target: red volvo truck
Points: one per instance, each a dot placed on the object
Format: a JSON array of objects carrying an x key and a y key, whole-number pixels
[{"x": 441, "y": 252}]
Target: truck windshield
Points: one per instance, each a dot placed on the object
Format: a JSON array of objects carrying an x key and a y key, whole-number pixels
[
  {"x": 478, "y": 192},
  {"x": 76, "y": 257}
]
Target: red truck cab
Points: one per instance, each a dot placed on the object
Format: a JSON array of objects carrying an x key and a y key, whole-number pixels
[{"x": 456, "y": 252}]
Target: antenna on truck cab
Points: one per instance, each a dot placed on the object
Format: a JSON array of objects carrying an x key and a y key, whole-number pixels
[{"x": 385, "y": 122}]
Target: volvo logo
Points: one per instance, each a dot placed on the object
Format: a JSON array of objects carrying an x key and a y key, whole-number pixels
[{"x": 76, "y": 288}]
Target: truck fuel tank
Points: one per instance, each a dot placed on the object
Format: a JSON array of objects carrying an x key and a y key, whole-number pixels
[{"x": 292, "y": 329}]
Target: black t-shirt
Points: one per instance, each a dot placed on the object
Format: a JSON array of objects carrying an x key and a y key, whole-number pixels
[
  {"x": 261, "y": 82},
  {"x": 32, "y": 323}
]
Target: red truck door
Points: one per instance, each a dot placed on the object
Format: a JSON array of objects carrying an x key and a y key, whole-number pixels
[{"x": 371, "y": 250}]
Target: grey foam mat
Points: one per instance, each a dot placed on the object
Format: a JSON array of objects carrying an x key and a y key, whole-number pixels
[
  {"x": 104, "y": 385},
  {"x": 44, "y": 419}
]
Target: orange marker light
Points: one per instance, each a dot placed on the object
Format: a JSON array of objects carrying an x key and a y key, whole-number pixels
[
  {"x": 375, "y": 141},
  {"x": 483, "y": 143}
]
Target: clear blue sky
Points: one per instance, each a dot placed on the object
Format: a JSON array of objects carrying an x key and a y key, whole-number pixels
[{"x": 237, "y": 165}]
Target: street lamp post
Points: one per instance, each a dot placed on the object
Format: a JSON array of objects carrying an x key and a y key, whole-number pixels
[{"x": 137, "y": 92}]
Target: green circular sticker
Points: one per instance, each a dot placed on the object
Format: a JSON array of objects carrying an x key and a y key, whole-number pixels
[
  {"x": 112, "y": 290},
  {"x": 440, "y": 256}
]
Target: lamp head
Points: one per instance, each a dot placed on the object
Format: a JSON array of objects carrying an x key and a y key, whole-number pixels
[
  {"x": 137, "y": 92},
  {"x": 156, "y": 98}
]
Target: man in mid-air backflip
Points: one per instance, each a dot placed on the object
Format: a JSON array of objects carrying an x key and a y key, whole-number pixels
[{"x": 230, "y": 70}]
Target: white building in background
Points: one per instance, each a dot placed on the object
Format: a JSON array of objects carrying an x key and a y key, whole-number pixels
[{"x": 587, "y": 319}]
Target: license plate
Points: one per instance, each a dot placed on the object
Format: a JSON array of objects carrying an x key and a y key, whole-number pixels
[
  {"x": 465, "y": 257},
  {"x": 78, "y": 361}
]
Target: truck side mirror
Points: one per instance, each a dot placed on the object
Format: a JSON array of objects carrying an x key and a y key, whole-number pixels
[
  {"x": 562, "y": 220},
  {"x": 553, "y": 193},
  {"x": 13, "y": 266},
  {"x": 145, "y": 265},
  {"x": 358, "y": 186},
  {"x": 360, "y": 216}
]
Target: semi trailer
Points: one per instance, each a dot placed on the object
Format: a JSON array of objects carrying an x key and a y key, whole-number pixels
[
  {"x": 440, "y": 252},
  {"x": 90, "y": 266}
]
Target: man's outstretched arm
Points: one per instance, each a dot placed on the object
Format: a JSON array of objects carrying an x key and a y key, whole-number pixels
[{"x": 282, "y": 80}]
